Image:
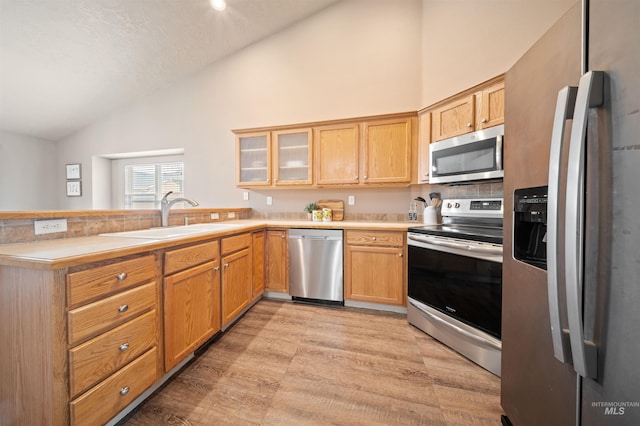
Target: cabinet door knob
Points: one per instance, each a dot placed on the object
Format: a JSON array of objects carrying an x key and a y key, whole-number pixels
[
  {"x": 468, "y": 124},
  {"x": 373, "y": 238},
  {"x": 123, "y": 308},
  {"x": 282, "y": 236},
  {"x": 401, "y": 255},
  {"x": 356, "y": 177},
  {"x": 226, "y": 265},
  {"x": 124, "y": 390},
  {"x": 365, "y": 176},
  {"x": 217, "y": 268},
  {"x": 124, "y": 347},
  {"x": 122, "y": 276},
  {"x": 484, "y": 120}
]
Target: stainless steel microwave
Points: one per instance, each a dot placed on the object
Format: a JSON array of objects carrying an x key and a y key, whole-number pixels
[{"x": 474, "y": 156}]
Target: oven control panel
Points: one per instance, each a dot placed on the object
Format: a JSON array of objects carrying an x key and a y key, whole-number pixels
[{"x": 477, "y": 207}]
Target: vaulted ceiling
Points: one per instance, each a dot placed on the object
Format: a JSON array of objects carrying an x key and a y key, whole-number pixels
[{"x": 66, "y": 63}]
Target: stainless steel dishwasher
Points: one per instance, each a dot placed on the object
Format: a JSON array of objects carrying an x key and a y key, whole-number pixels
[{"x": 316, "y": 265}]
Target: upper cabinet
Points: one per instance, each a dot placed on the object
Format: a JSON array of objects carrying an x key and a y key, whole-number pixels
[
  {"x": 386, "y": 151},
  {"x": 292, "y": 155},
  {"x": 477, "y": 108},
  {"x": 337, "y": 154},
  {"x": 424, "y": 139},
  {"x": 254, "y": 159},
  {"x": 367, "y": 151},
  {"x": 491, "y": 102}
]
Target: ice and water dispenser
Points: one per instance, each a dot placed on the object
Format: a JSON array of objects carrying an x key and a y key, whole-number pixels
[{"x": 530, "y": 226}]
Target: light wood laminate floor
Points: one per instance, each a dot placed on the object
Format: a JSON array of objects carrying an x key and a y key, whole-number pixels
[{"x": 288, "y": 363}]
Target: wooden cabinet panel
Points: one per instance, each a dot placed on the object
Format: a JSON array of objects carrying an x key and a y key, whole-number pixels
[
  {"x": 236, "y": 284},
  {"x": 387, "y": 151},
  {"x": 454, "y": 118},
  {"x": 293, "y": 157},
  {"x": 424, "y": 140},
  {"x": 254, "y": 159},
  {"x": 180, "y": 259},
  {"x": 102, "y": 402},
  {"x": 258, "y": 247},
  {"x": 97, "y": 282},
  {"x": 277, "y": 271},
  {"x": 375, "y": 238},
  {"x": 191, "y": 310},
  {"x": 491, "y": 107},
  {"x": 375, "y": 274},
  {"x": 235, "y": 243},
  {"x": 337, "y": 152},
  {"x": 94, "y": 360},
  {"x": 89, "y": 320}
]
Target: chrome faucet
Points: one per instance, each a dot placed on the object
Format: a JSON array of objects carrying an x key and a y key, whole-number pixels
[{"x": 165, "y": 205}]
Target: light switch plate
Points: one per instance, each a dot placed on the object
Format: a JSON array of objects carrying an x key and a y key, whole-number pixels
[
  {"x": 245, "y": 195},
  {"x": 49, "y": 226},
  {"x": 269, "y": 200},
  {"x": 352, "y": 200},
  {"x": 231, "y": 215},
  {"x": 215, "y": 216}
]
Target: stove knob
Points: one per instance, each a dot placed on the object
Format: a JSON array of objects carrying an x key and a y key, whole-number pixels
[
  {"x": 449, "y": 205},
  {"x": 457, "y": 205}
]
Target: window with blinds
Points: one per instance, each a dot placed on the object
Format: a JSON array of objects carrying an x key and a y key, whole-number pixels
[{"x": 146, "y": 184}]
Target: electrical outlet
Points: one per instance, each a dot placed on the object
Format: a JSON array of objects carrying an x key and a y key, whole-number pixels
[
  {"x": 245, "y": 195},
  {"x": 231, "y": 215},
  {"x": 269, "y": 200},
  {"x": 215, "y": 216},
  {"x": 49, "y": 226},
  {"x": 352, "y": 200}
]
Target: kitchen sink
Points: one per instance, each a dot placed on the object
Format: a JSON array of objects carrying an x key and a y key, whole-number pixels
[{"x": 172, "y": 231}]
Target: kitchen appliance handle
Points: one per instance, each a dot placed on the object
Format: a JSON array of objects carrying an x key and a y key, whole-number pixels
[
  {"x": 565, "y": 105},
  {"x": 590, "y": 94},
  {"x": 499, "y": 153},
  {"x": 459, "y": 246},
  {"x": 477, "y": 339}
]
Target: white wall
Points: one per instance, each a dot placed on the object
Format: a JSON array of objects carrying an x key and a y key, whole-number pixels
[
  {"x": 466, "y": 42},
  {"x": 355, "y": 58},
  {"x": 29, "y": 175}
]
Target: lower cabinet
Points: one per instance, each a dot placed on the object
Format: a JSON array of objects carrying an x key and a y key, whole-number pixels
[
  {"x": 276, "y": 260},
  {"x": 237, "y": 276},
  {"x": 375, "y": 265},
  {"x": 191, "y": 299}
]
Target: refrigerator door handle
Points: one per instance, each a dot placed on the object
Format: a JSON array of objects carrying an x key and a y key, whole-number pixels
[
  {"x": 564, "y": 111},
  {"x": 590, "y": 95}
]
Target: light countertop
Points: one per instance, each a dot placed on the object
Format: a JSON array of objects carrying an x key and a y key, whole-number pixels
[{"x": 67, "y": 252}]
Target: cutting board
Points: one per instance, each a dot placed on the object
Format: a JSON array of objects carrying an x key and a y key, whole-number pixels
[{"x": 336, "y": 206}]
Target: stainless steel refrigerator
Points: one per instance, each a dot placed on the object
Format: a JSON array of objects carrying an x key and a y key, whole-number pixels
[{"x": 571, "y": 322}]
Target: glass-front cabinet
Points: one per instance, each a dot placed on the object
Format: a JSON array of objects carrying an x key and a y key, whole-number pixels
[
  {"x": 292, "y": 157},
  {"x": 254, "y": 157}
]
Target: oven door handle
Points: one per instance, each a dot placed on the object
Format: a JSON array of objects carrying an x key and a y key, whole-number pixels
[
  {"x": 476, "y": 339},
  {"x": 460, "y": 246}
]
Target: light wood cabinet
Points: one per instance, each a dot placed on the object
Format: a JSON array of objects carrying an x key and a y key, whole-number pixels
[
  {"x": 254, "y": 159},
  {"x": 258, "y": 246},
  {"x": 424, "y": 140},
  {"x": 386, "y": 151},
  {"x": 191, "y": 299},
  {"x": 237, "y": 276},
  {"x": 375, "y": 265},
  {"x": 113, "y": 336},
  {"x": 454, "y": 118},
  {"x": 337, "y": 154},
  {"x": 490, "y": 102},
  {"x": 276, "y": 260},
  {"x": 293, "y": 157}
]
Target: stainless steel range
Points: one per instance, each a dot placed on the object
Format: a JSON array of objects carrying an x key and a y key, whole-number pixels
[{"x": 455, "y": 279}]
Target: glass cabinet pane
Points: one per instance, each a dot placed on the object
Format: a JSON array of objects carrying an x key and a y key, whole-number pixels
[
  {"x": 293, "y": 157},
  {"x": 254, "y": 158}
]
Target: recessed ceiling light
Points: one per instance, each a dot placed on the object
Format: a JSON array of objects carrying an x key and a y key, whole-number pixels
[{"x": 218, "y": 4}]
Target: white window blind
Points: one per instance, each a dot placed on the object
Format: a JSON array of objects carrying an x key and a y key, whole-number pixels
[{"x": 146, "y": 184}]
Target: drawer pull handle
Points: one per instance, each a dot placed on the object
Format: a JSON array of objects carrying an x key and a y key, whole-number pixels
[
  {"x": 373, "y": 238},
  {"x": 123, "y": 308},
  {"x": 122, "y": 276},
  {"x": 124, "y": 390},
  {"x": 124, "y": 347}
]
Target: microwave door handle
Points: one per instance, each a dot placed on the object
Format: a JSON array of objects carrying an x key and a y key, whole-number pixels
[
  {"x": 564, "y": 111},
  {"x": 590, "y": 94},
  {"x": 499, "y": 153}
]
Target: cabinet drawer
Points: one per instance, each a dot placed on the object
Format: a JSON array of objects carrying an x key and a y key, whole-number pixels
[
  {"x": 89, "y": 320},
  {"x": 235, "y": 243},
  {"x": 99, "y": 357},
  {"x": 177, "y": 260},
  {"x": 109, "y": 397},
  {"x": 91, "y": 284},
  {"x": 375, "y": 238}
]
